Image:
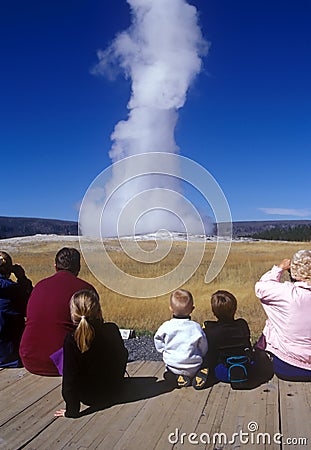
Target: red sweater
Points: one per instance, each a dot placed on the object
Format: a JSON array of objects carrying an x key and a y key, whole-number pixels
[{"x": 48, "y": 321}]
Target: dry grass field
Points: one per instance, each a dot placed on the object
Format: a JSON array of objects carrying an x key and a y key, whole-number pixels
[{"x": 247, "y": 261}]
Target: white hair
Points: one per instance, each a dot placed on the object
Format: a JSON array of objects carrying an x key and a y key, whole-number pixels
[{"x": 301, "y": 265}]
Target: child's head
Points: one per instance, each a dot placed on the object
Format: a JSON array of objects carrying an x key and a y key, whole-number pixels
[
  {"x": 224, "y": 305},
  {"x": 181, "y": 302},
  {"x": 6, "y": 264},
  {"x": 84, "y": 308}
]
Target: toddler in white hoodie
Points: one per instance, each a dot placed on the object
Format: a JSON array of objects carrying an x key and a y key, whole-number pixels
[{"x": 182, "y": 342}]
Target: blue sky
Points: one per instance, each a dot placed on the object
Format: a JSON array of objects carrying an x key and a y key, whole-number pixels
[{"x": 247, "y": 118}]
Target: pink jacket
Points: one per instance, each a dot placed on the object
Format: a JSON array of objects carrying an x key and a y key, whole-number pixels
[{"x": 288, "y": 328}]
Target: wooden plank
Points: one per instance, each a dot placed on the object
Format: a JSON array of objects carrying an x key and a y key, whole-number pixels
[
  {"x": 148, "y": 414},
  {"x": 214, "y": 410},
  {"x": 109, "y": 426},
  {"x": 230, "y": 411},
  {"x": 133, "y": 367},
  {"x": 31, "y": 418},
  {"x": 63, "y": 432},
  {"x": 184, "y": 418},
  {"x": 210, "y": 418},
  {"x": 25, "y": 392},
  {"x": 252, "y": 412},
  {"x": 295, "y": 414},
  {"x": 73, "y": 433},
  {"x": 21, "y": 428},
  {"x": 9, "y": 376},
  {"x": 150, "y": 423}
]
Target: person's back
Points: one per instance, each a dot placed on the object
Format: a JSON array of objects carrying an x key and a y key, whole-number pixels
[
  {"x": 181, "y": 341},
  {"x": 13, "y": 301},
  {"x": 287, "y": 332},
  {"x": 228, "y": 339},
  {"x": 95, "y": 357},
  {"x": 48, "y": 314}
]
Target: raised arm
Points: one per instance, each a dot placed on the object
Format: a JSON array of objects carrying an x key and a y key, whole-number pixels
[{"x": 269, "y": 287}]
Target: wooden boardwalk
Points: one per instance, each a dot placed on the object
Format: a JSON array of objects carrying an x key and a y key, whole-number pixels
[{"x": 150, "y": 416}]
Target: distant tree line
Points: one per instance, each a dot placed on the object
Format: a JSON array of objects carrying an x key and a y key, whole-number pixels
[
  {"x": 300, "y": 233},
  {"x": 15, "y": 227}
]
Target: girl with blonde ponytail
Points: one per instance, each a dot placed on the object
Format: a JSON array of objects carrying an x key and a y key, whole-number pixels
[
  {"x": 95, "y": 357},
  {"x": 84, "y": 309}
]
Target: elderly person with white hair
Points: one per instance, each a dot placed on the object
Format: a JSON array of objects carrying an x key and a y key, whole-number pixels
[{"x": 287, "y": 333}]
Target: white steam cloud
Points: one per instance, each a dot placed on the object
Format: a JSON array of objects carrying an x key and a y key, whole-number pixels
[{"x": 161, "y": 54}]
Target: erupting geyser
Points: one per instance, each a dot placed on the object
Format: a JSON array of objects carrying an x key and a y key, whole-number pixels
[{"x": 161, "y": 54}]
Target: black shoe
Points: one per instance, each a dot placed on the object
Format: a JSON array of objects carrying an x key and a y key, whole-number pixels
[
  {"x": 183, "y": 381},
  {"x": 200, "y": 380}
]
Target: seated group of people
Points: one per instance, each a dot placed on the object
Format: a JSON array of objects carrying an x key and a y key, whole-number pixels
[{"x": 65, "y": 332}]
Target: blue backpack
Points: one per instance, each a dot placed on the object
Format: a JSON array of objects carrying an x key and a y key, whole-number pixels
[{"x": 238, "y": 368}]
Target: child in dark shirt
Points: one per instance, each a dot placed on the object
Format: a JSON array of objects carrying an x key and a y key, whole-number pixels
[
  {"x": 95, "y": 357},
  {"x": 227, "y": 338},
  {"x": 13, "y": 302}
]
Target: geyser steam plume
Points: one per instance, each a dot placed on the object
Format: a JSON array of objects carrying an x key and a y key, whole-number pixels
[{"x": 161, "y": 54}]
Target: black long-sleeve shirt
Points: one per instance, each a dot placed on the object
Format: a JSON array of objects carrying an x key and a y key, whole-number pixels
[
  {"x": 88, "y": 376},
  {"x": 226, "y": 339}
]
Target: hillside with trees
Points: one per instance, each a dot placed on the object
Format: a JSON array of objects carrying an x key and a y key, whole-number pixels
[{"x": 300, "y": 233}]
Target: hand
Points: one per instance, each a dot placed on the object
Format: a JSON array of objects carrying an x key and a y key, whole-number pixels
[
  {"x": 18, "y": 271},
  {"x": 60, "y": 413},
  {"x": 285, "y": 264}
]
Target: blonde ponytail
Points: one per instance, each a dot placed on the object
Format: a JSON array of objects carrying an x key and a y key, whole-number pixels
[
  {"x": 84, "y": 308},
  {"x": 84, "y": 335}
]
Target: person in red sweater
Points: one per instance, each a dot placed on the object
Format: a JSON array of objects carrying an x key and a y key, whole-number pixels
[{"x": 48, "y": 318}]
